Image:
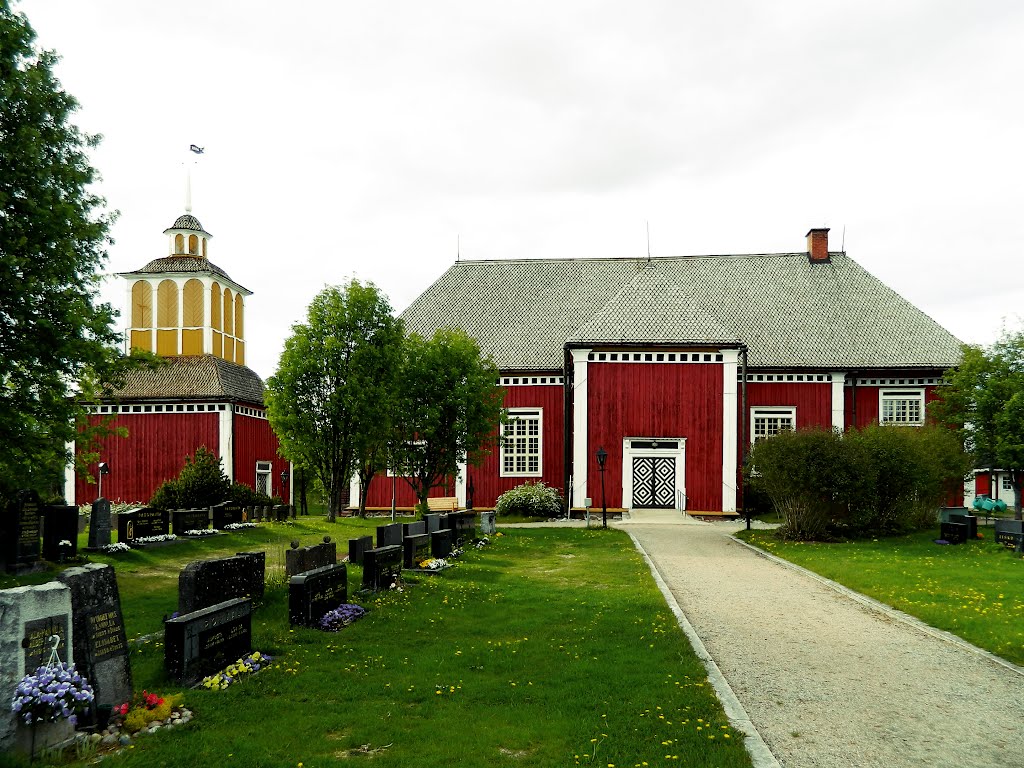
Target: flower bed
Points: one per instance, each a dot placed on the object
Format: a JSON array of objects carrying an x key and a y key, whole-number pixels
[
  {"x": 116, "y": 547},
  {"x": 239, "y": 526},
  {"x": 240, "y": 670},
  {"x": 155, "y": 539},
  {"x": 201, "y": 532},
  {"x": 341, "y": 616},
  {"x": 434, "y": 564}
]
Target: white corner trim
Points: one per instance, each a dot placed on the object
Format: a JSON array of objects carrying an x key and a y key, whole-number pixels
[
  {"x": 69, "y": 475},
  {"x": 226, "y": 423},
  {"x": 838, "y": 400},
  {"x": 580, "y": 441},
  {"x": 730, "y": 429},
  {"x": 354, "y": 489},
  {"x": 460, "y": 484}
]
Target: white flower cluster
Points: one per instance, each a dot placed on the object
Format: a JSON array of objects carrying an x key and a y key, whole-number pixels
[
  {"x": 202, "y": 532},
  {"x": 237, "y": 526},
  {"x": 155, "y": 539},
  {"x": 117, "y": 546}
]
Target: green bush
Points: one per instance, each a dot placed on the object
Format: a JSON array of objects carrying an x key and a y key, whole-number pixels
[
  {"x": 878, "y": 480},
  {"x": 530, "y": 500},
  {"x": 242, "y": 494},
  {"x": 201, "y": 483}
]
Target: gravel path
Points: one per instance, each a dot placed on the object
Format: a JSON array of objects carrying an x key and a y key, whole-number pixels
[{"x": 827, "y": 680}]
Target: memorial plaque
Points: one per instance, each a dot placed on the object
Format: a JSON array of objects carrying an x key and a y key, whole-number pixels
[
  {"x": 189, "y": 520},
  {"x": 60, "y": 523},
  {"x": 356, "y": 547},
  {"x": 313, "y": 593},
  {"x": 381, "y": 567},
  {"x": 441, "y": 543},
  {"x": 389, "y": 535},
  {"x": 205, "y": 641},
  {"x": 141, "y": 522},
  {"x": 36, "y": 641},
  {"x": 100, "y": 644},
  {"x": 203, "y": 583},
  {"x": 99, "y": 524},
  {"x": 22, "y": 531},
  {"x": 416, "y": 549}
]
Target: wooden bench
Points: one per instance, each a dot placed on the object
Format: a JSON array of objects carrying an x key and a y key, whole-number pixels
[{"x": 443, "y": 504}]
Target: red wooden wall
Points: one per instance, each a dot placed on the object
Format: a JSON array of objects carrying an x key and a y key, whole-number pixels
[
  {"x": 651, "y": 400},
  {"x": 153, "y": 452},
  {"x": 254, "y": 441},
  {"x": 813, "y": 402},
  {"x": 866, "y": 398}
]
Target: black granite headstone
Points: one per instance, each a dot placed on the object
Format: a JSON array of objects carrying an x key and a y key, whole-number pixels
[
  {"x": 301, "y": 559},
  {"x": 189, "y": 520},
  {"x": 415, "y": 549},
  {"x": 100, "y": 645},
  {"x": 313, "y": 593},
  {"x": 99, "y": 524},
  {"x": 389, "y": 535},
  {"x": 463, "y": 525},
  {"x": 21, "y": 531},
  {"x": 60, "y": 523},
  {"x": 413, "y": 529},
  {"x": 227, "y": 513},
  {"x": 140, "y": 523},
  {"x": 381, "y": 566},
  {"x": 970, "y": 521},
  {"x": 433, "y": 522},
  {"x": 356, "y": 547},
  {"x": 205, "y": 641},
  {"x": 954, "y": 533},
  {"x": 441, "y": 543},
  {"x": 207, "y": 582},
  {"x": 281, "y": 512}
]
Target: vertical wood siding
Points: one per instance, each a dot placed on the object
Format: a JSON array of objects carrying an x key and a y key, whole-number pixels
[
  {"x": 867, "y": 402},
  {"x": 153, "y": 452},
  {"x": 256, "y": 441},
  {"x": 651, "y": 400}
]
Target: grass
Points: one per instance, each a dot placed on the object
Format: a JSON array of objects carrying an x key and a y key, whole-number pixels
[
  {"x": 971, "y": 590},
  {"x": 551, "y": 647}
]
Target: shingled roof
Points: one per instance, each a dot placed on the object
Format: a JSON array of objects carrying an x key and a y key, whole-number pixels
[
  {"x": 789, "y": 312},
  {"x": 194, "y": 377},
  {"x": 167, "y": 264}
]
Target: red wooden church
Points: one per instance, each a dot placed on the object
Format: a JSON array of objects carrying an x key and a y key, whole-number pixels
[
  {"x": 190, "y": 312},
  {"x": 673, "y": 364}
]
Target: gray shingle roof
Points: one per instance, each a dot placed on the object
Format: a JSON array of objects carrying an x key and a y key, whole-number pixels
[
  {"x": 787, "y": 311},
  {"x": 193, "y": 377},
  {"x": 188, "y": 221},
  {"x": 180, "y": 264}
]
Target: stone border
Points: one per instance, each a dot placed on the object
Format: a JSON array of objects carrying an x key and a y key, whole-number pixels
[
  {"x": 760, "y": 755},
  {"x": 887, "y": 610}
]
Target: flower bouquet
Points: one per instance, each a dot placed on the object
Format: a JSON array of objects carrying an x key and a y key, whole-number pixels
[
  {"x": 433, "y": 564},
  {"x": 341, "y": 616},
  {"x": 249, "y": 665},
  {"x": 52, "y": 693}
]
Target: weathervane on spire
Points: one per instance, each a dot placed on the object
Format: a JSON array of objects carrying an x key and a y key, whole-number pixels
[{"x": 188, "y": 178}]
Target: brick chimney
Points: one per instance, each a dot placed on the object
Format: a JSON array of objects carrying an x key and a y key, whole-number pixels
[{"x": 817, "y": 246}]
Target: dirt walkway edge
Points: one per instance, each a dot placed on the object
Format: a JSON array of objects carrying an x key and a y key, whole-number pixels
[{"x": 760, "y": 755}]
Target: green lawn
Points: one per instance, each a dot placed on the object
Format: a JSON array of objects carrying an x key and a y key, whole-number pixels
[
  {"x": 971, "y": 590},
  {"x": 551, "y": 647}
]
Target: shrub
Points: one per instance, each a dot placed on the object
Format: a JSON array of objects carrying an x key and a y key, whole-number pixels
[
  {"x": 201, "y": 483},
  {"x": 240, "y": 493},
  {"x": 530, "y": 500}
]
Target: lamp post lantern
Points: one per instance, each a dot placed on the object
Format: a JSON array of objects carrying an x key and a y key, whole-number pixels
[
  {"x": 284, "y": 482},
  {"x": 104, "y": 469},
  {"x": 602, "y": 457}
]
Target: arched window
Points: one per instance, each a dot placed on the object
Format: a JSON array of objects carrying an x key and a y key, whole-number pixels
[
  {"x": 204, "y": 247},
  {"x": 193, "y": 245},
  {"x": 179, "y": 243},
  {"x": 229, "y": 315},
  {"x": 238, "y": 317},
  {"x": 167, "y": 305},
  {"x": 142, "y": 304},
  {"x": 215, "y": 307},
  {"x": 192, "y": 304}
]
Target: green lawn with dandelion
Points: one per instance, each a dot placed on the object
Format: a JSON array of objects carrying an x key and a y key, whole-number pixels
[
  {"x": 549, "y": 647},
  {"x": 972, "y": 590}
]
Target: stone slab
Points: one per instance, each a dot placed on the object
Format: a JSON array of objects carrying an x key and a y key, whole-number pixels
[
  {"x": 313, "y": 593},
  {"x": 203, "y": 583},
  {"x": 205, "y": 641}
]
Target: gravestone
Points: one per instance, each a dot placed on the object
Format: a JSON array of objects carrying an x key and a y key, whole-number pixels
[
  {"x": 970, "y": 521},
  {"x": 203, "y": 583},
  {"x": 441, "y": 543},
  {"x": 189, "y": 520},
  {"x": 300, "y": 559},
  {"x": 432, "y": 521},
  {"x": 413, "y": 529},
  {"x": 281, "y": 512},
  {"x": 954, "y": 533},
  {"x": 207, "y": 640},
  {"x": 99, "y": 524},
  {"x": 28, "y": 616},
  {"x": 381, "y": 567},
  {"x": 60, "y": 523},
  {"x": 389, "y": 535},
  {"x": 463, "y": 525},
  {"x": 356, "y": 547},
  {"x": 487, "y": 523},
  {"x": 313, "y": 593},
  {"x": 415, "y": 549},
  {"x": 100, "y": 645},
  {"x": 227, "y": 513},
  {"x": 21, "y": 531},
  {"x": 140, "y": 523},
  {"x": 1009, "y": 533}
]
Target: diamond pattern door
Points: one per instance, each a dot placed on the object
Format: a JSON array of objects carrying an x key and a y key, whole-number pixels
[{"x": 654, "y": 482}]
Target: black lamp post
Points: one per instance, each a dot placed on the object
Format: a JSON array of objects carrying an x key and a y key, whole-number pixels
[
  {"x": 602, "y": 457},
  {"x": 284, "y": 481},
  {"x": 104, "y": 469}
]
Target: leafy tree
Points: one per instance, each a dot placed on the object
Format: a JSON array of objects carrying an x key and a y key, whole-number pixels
[
  {"x": 56, "y": 339},
  {"x": 984, "y": 400},
  {"x": 331, "y": 400},
  {"x": 201, "y": 483},
  {"x": 449, "y": 409}
]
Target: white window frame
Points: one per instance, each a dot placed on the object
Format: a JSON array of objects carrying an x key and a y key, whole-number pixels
[
  {"x": 914, "y": 399},
  {"x": 1004, "y": 483},
  {"x": 265, "y": 469},
  {"x": 510, "y": 442},
  {"x": 779, "y": 412}
]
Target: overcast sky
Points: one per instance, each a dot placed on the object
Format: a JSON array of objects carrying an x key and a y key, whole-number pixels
[{"x": 367, "y": 139}]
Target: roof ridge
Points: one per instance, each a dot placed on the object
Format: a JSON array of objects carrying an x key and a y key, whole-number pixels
[{"x": 677, "y": 257}]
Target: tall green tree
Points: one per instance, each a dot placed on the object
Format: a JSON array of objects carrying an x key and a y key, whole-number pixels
[
  {"x": 984, "y": 399},
  {"x": 449, "y": 409},
  {"x": 57, "y": 341},
  {"x": 331, "y": 400}
]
